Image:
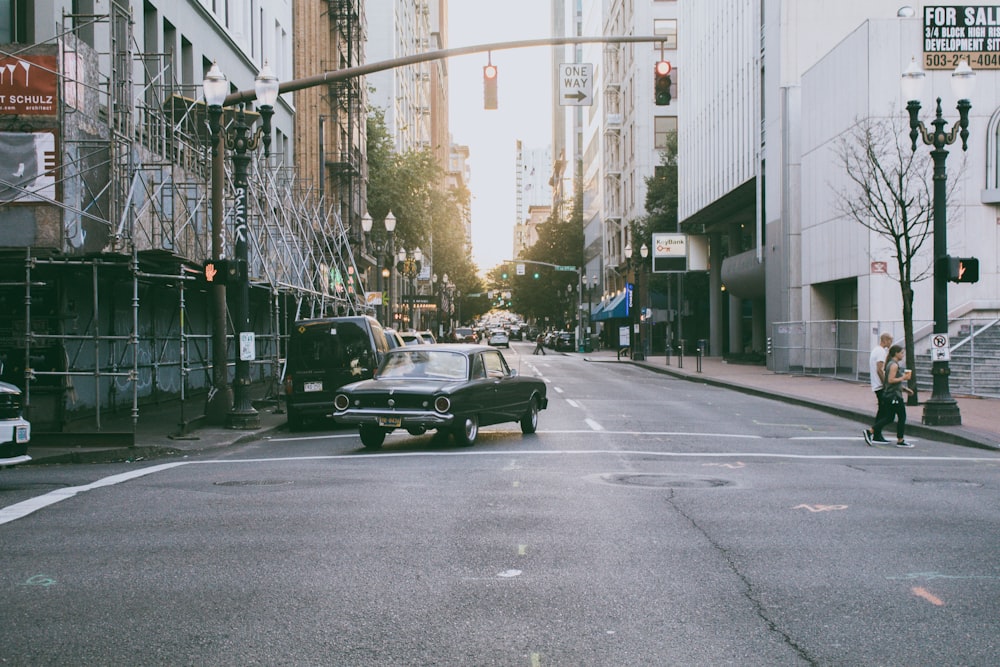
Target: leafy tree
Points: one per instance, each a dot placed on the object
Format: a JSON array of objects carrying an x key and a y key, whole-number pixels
[
  {"x": 560, "y": 242},
  {"x": 427, "y": 216},
  {"x": 888, "y": 193}
]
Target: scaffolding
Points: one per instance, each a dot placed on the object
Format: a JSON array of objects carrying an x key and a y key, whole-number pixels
[{"x": 111, "y": 314}]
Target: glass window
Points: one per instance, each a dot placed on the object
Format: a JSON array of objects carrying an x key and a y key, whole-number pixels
[
  {"x": 495, "y": 366},
  {"x": 663, "y": 127},
  {"x": 668, "y": 29}
]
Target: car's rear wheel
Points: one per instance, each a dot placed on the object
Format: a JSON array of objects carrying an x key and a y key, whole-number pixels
[
  {"x": 529, "y": 421},
  {"x": 372, "y": 437},
  {"x": 467, "y": 430}
]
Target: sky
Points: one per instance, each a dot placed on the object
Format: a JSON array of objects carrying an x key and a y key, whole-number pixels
[{"x": 524, "y": 92}]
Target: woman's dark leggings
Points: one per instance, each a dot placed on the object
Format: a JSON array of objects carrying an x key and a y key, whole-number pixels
[{"x": 889, "y": 412}]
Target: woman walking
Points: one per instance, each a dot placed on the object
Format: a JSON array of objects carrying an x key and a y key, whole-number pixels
[{"x": 893, "y": 395}]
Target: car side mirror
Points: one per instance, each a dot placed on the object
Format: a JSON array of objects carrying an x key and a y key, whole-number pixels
[{"x": 513, "y": 372}]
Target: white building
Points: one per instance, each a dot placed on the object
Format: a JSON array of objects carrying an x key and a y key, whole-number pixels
[{"x": 770, "y": 88}]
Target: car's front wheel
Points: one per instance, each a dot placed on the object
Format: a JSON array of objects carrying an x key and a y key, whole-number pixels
[
  {"x": 529, "y": 421},
  {"x": 372, "y": 437},
  {"x": 467, "y": 430}
]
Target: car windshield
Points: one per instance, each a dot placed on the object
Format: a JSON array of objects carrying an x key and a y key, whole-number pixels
[{"x": 424, "y": 365}]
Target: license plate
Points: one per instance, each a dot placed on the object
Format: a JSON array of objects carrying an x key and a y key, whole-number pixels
[
  {"x": 393, "y": 422},
  {"x": 21, "y": 434},
  {"x": 312, "y": 386}
]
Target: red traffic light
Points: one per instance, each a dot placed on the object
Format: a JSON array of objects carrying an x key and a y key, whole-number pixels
[
  {"x": 490, "y": 86},
  {"x": 663, "y": 68}
]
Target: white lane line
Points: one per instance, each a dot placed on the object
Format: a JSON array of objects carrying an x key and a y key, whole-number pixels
[
  {"x": 594, "y": 426},
  {"x": 22, "y": 509},
  {"x": 573, "y": 403},
  {"x": 353, "y": 434},
  {"x": 558, "y": 390}
]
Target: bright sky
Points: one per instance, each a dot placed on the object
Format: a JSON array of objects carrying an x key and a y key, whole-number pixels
[{"x": 524, "y": 112}]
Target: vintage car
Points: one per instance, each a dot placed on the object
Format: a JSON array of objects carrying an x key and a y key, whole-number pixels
[
  {"x": 454, "y": 389},
  {"x": 15, "y": 431}
]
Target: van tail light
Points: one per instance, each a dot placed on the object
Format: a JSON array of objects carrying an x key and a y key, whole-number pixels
[{"x": 288, "y": 384}]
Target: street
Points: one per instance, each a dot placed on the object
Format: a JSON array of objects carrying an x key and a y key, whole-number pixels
[{"x": 649, "y": 521}]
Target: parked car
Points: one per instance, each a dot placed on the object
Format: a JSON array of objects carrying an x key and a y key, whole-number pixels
[
  {"x": 454, "y": 389},
  {"x": 499, "y": 338},
  {"x": 324, "y": 355},
  {"x": 412, "y": 338},
  {"x": 427, "y": 337},
  {"x": 393, "y": 338},
  {"x": 15, "y": 430},
  {"x": 565, "y": 340}
]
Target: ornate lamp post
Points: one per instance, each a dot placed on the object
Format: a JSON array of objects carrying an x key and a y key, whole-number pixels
[
  {"x": 940, "y": 409},
  {"x": 409, "y": 264},
  {"x": 383, "y": 250},
  {"x": 635, "y": 337},
  {"x": 241, "y": 139}
]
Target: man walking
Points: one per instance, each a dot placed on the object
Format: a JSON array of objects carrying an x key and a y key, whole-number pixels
[
  {"x": 540, "y": 343},
  {"x": 876, "y": 371}
]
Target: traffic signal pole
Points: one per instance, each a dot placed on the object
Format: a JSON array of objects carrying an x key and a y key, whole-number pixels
[{"x": 325, "y": 78}]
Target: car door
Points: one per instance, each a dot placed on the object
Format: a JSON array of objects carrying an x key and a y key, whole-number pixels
[{"x": 505, "y": 389}]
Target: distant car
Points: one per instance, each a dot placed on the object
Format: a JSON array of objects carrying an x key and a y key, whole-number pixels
[
  {"x": 428, "y": 337},
  {"x": 516, "y": 333},
  {"x": 15, "y": 430},
  {"x": 499, "y": 338},
  {"x": 454, "y": 389},
  {"x": 465, "y": 335}
]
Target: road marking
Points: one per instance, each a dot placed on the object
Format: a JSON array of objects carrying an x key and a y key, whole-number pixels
[
  {"x": 821, "y": 508},
  {"x": 536, "y": 660},
  {"x": 573, "y": 403},
  {"x": 731, "y": 466},
  {"x": 558, "y": 390},
  {"x": 594, "y": 426},
  {"x": 922, "y": 592},
  {"x": 522, "y": 549},
  {"x": 23, "y": 509}
]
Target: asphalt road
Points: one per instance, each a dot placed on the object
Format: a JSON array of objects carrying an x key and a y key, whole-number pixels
[{"x": 650, "y": 521}]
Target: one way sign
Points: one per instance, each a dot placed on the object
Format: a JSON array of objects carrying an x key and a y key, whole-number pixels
[{"x": 576, "y": 84}]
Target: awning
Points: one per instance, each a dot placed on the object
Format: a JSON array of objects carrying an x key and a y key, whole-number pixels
[{"x": 616, "y": 308}]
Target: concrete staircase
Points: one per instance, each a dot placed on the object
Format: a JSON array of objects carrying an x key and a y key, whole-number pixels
[{"x": 975, "y": 362}]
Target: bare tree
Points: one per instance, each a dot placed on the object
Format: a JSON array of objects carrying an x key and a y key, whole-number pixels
[{"x": 888, "y": 192}]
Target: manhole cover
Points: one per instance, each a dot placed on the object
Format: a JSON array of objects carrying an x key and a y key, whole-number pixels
[
  {"x": 254, "y": 482},
  {"x": 665, "y": 481}
]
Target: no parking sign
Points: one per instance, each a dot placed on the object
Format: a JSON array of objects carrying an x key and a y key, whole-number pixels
[{"x": 940, "y": 349}]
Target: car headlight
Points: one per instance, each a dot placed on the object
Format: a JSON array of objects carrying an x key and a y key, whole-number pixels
[
  {"x": 442, "y": 404},
  {"x": 341, "y": 402}
]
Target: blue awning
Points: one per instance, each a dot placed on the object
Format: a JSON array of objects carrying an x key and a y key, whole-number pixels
[{"x": 616, "y": 308}]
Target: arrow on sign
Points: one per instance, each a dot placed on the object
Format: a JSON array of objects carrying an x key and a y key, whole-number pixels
[{"x": 579, "y": 96}]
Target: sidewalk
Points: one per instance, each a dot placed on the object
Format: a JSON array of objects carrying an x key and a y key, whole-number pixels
[
  {"x": 854, "y": 400},
  {"x": 158, "y": 432}
]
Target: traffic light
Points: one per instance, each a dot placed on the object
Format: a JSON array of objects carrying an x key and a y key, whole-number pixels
[
  {"x": 963, "y": 269},
  {"x": 490, "y": 86},
  {"x": 217, "y": 271},
  {"x": 661, "y": 82},
  {"x": 503, "y": 276},
  {"x": 535, "y": 275}
]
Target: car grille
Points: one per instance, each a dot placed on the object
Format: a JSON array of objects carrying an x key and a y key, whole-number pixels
[
  {"x": 10, "y": 406},
  {"x": 400, "y": 401}
]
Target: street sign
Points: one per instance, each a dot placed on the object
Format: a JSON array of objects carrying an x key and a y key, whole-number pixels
[
  {"x": 940, "y": 347},
  {"x": 248, "y": 351},
  {"x": 576, "y": 84},
  {"x": 519, "y": 269},
  {"x": 670, "y": 253},
  {"x": 565, "y": 268}
]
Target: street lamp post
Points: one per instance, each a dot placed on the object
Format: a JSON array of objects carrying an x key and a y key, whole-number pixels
[
  {"x": 382, "y": 251},
  {"x": 941, "y": 409},
  {"x": 241, "y": 140},
  {"x": 409, "y": 265},
  {"x": 635, "y": 336}
]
